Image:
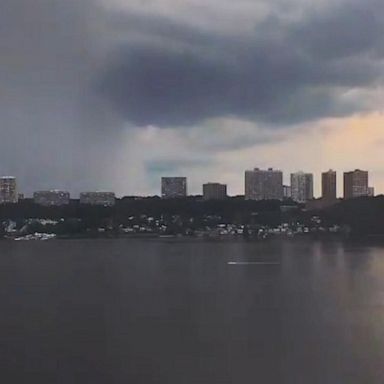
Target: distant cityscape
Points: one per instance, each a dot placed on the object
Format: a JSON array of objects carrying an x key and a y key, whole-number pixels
[{"x": 258, "y": 185}]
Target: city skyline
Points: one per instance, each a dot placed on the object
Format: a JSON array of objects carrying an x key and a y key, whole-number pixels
[
  {"x": 130, "y": 93},
  {"x": 258, "y": 184},
  {"x": 195, "y": 183}
]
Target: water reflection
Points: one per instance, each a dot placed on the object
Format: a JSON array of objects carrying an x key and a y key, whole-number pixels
[{"x": 176, "y": 312}]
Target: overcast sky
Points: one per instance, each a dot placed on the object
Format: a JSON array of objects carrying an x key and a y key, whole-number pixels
[{"x": 114, "y": 94}]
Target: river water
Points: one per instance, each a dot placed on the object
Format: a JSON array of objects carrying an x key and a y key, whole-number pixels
[{"x": 191, "y": 312}]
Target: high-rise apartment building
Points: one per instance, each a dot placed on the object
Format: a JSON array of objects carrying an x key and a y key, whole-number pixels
[
  {"x": 105, "y": 199},
  {"x": 173, "y": 187},
  {"x": 8, "y": 190},
  {"x": 214, "y": 191},
  {"x": 301, "y": 186},
  {"x": 328, "y": 185},
  {"x": 263, "y": 184},
  {"x": 51, "y": 198},
  {"x": 355, "y": 184}
]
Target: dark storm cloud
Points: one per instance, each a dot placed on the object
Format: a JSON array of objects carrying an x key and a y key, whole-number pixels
[
  {"x": 344, "y": 30},
  {"x": 165, "y": 73}
]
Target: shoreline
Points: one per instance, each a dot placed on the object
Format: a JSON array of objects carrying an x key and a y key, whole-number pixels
[{"x": 220, "y": 238}]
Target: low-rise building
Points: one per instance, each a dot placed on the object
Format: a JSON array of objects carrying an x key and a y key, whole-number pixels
[
  {"x": 106, "y": 199},
  {"x": 287, "y": 191},
  {"x": 51, "y": 198},
  {"x": 214, "y": 191}
]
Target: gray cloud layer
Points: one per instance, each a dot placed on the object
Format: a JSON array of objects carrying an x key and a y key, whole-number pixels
[
  {"x": 286, "y": 71},
  {"x": 74, "y": 73}
]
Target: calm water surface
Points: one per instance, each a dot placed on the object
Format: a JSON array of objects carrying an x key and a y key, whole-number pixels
[{"x": 131, "y": 311}]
